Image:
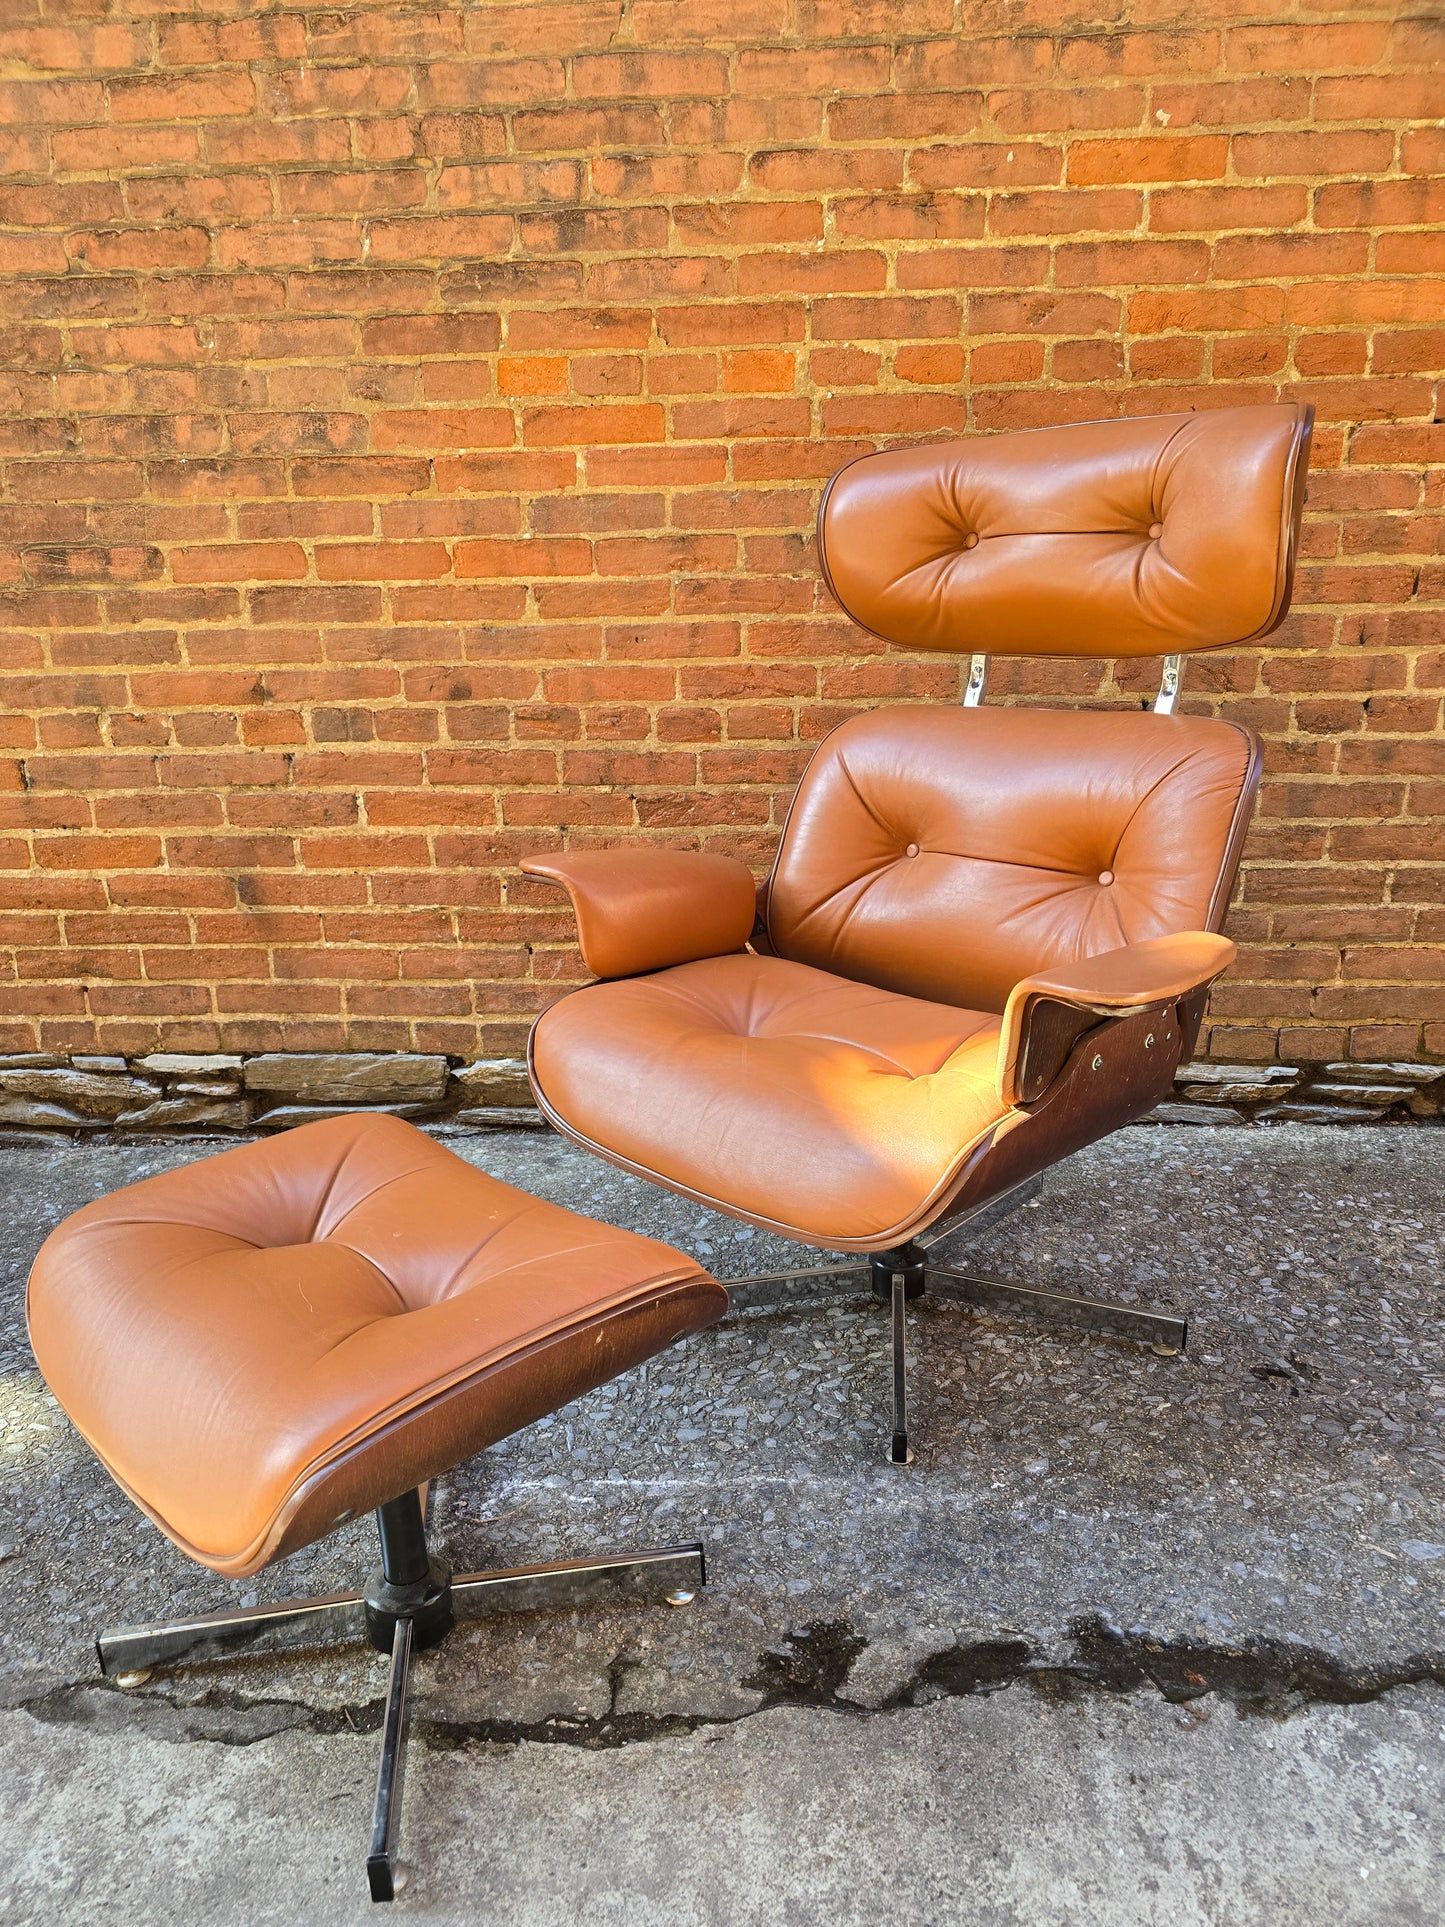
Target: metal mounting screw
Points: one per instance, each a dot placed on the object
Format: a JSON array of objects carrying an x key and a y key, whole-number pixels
[
  {"x": 1097, "y": 1065},
  {"x": 1149, "y": 1041}
]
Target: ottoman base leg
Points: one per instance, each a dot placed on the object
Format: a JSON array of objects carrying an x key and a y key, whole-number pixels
[
  {"x": 410, "y": 1603},
  {"x": 386, "y": 1812}
]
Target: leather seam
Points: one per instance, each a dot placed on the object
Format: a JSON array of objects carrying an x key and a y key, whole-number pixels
[{"x": 793, "y": 801}]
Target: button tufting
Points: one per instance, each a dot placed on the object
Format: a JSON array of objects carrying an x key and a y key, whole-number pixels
[
  {"x": 1106, "y": 876},
  {"x": 912, "y": 850},
  {"x": 1156, "y": 529},
  {"x": 970, "y": 541}
]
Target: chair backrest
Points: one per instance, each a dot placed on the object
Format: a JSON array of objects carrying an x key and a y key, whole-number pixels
[
  {"x": 949, "y": 853},
  {"x": 1141, "y": 537}
]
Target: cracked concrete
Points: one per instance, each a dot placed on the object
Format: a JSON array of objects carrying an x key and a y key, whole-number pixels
[{"x": 1134, "y": 1640}]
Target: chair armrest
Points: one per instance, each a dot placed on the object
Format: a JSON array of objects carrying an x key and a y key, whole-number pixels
[
  {"x": 1041, "y": 1020},
  {"x": 640, "y": 910}
]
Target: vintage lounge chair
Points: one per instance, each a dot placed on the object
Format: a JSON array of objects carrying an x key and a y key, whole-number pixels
[{"x": 989, "y": 934}]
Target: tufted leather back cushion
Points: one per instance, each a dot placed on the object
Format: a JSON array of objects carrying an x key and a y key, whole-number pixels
[
  {"x": 1117, "y": 538},
  {"x": 949, "y": 853}
]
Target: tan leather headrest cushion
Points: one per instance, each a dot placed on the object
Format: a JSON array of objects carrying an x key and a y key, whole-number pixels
[{"x": 1143, "y": 537}]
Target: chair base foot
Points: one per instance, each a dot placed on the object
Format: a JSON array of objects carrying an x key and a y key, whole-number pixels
[
  {"x": 900, "y": 1277},
  {"x": 130, "y": 1655},
  {"x": 1140, "y": 1324},
  {"x": 381, "y": 1869}
]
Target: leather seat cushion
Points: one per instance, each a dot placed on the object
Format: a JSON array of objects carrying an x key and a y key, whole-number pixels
[
  {"x": 802, "y": 1101},
  {"x": 261, "y": 1343}
]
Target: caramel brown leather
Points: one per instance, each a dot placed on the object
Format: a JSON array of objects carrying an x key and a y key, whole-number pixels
[
  {"x": 852, "y": 1087},
  {"x": 1141, "y": 537},
  {"x": 299, "y": 1329},
  {"x": 960, "y": 895},
  {"x": 639, "y": 910},
  {"x": 831, "y": 1110},
  {"x": 1141, "y": 975},
  {"x": 949, "y": 853}
]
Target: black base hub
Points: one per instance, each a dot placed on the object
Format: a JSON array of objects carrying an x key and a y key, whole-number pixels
[
  {"x": 427, "y": 1604},
  {"x": 884, "y": 1267},
  {"x": 410, "y": 1583}
]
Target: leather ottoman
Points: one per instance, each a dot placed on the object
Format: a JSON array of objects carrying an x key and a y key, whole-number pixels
[{"x": 261, "y": 1345}]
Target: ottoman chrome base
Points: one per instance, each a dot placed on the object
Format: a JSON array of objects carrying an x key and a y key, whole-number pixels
[{"x": 400, "y": 1615}]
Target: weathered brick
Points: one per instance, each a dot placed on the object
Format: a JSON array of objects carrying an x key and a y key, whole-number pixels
[{"x": 412, "y": 424}]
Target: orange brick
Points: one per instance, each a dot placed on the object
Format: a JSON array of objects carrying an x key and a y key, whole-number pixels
[
  {"x": 759, "y": 371},
  {"x": 944, "y": 363},
  {"x": 1159, "y": 158},
  {"x": 413, "y": 423},
  {"x": 532, "y": 375}
]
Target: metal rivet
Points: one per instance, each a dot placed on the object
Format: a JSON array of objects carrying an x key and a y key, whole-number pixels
[
  {"x": 680, "y": 1598},
  {"x": 1149, "y": 1041},
  {"x": 137, "y": 1677},
  {"x": 1097, "y": 1065}
]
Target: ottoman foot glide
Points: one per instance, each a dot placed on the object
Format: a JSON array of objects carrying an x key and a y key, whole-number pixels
[{"x": 260, "y": 1346}]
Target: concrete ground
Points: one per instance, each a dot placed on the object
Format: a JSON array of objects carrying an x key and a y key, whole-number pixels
[{"x": 1136, "y": 1639}]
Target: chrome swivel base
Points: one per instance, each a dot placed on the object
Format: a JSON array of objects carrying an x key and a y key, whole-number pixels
[
  {"x": 898, "y": 1277},
  {"x": 410, "y": 1603}
]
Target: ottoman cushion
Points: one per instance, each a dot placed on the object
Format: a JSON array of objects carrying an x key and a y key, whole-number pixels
[{"x": 261, "y": 1344}]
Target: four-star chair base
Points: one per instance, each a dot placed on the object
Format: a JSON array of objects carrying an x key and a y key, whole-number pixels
[
  {"x": 411, "y": 1602},
  {"x": 898, "y": 1277}
]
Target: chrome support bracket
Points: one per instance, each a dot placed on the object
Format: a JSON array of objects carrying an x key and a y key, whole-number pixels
[
  {"x": 662, "y": 1575},
  {"x": 666, "y": 1574},
  {"x": 381, "y": 1868},
  {"x": 299, "y": 1623},
  {"x": 1169, "y": 686},
  {"x": 777, "y": 1287},
  {"x": 1143, "y": 1324},
  {"x": 896, "y": 1277},
  {"x": 898, "y": 1449},
  {"x": 910, "y": 1272},
  {"x": 973, "y": 689},
  {"x": 261, "y": 1629}
]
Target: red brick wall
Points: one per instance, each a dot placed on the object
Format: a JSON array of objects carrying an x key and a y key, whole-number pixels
[{"x": 413, "y": 422}]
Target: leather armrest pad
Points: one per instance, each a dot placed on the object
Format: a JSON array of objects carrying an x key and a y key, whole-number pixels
[
  {"x": 640, "y": 910},
  {"x": 1134, "y": 977}
]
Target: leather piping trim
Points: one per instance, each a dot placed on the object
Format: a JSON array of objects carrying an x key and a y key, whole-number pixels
[
  {"x": 1295, "y": 475},
  {"x": 261, "y": 1549},
  {"x": 918, "y": 1220},
  {"x": 1238, "y": 830},
  {"x": 827, "y": 573}
]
